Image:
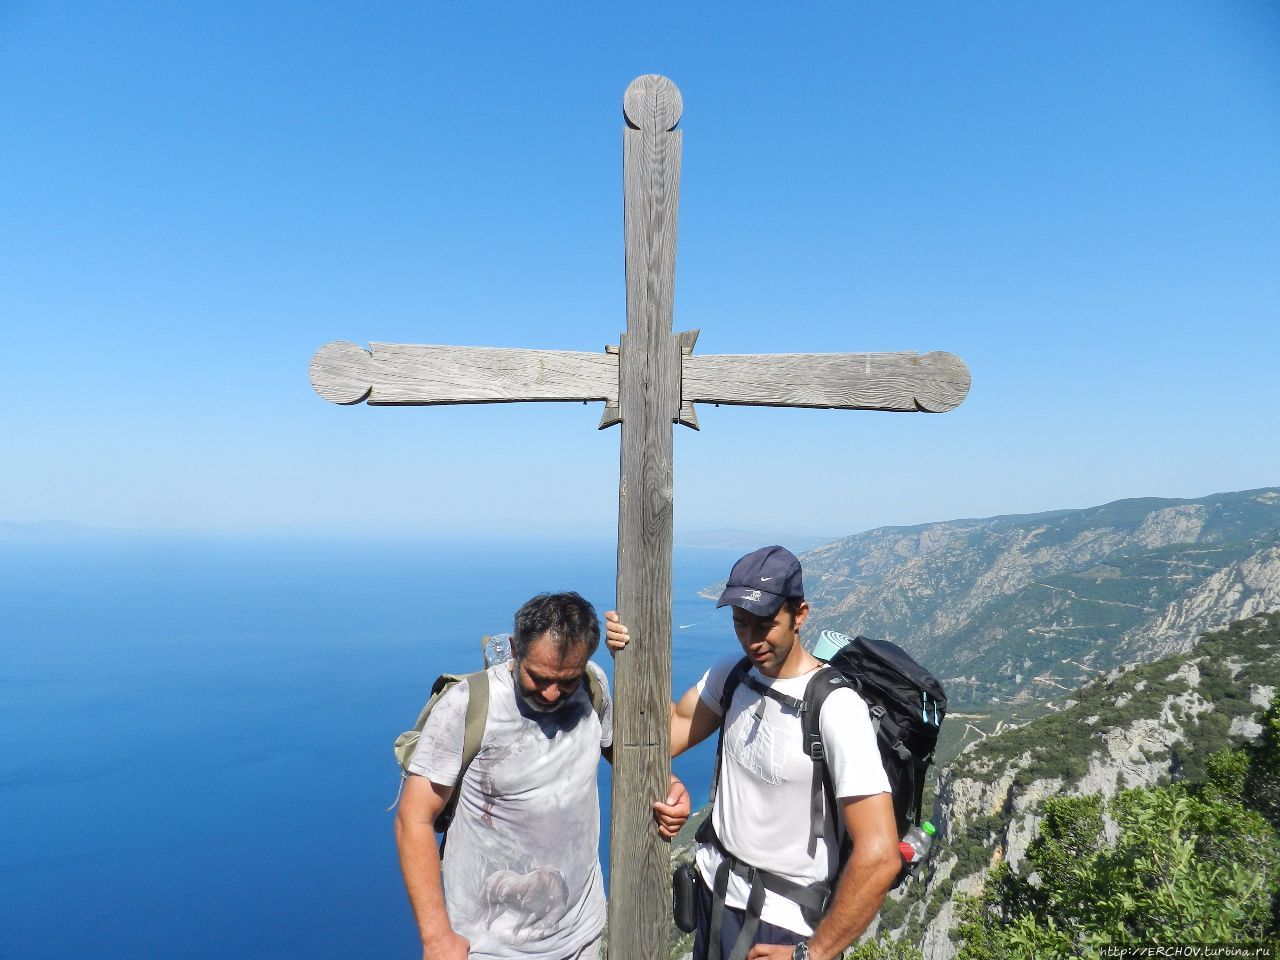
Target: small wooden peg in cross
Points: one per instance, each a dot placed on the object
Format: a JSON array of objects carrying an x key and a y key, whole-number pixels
[{"x": 648, "y": 383}]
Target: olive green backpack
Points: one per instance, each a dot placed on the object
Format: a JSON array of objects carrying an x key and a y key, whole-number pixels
[{"x": 473, "y": 725}]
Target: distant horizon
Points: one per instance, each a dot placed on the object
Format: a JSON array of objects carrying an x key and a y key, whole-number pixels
[{"x": 687, "y": 536}]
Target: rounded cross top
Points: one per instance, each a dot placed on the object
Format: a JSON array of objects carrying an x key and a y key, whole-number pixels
[{"x": 652, "y": 103}]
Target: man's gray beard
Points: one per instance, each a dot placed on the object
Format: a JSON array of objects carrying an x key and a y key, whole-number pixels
[
  {"x": 540, "y": 707},
  {"x": 532, "y": 704}
]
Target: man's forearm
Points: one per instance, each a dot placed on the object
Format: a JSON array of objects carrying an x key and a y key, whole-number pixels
[
  {"x": 857, "y": 900},
  {"x": 420, "y": 864}
]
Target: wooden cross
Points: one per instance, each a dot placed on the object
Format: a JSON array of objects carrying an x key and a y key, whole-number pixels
[{"x": 649, "y": 382}]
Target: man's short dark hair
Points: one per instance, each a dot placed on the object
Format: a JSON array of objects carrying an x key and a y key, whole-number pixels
[
  {"x": 566, "y": 618},
  {"x": 792, "y": 605}
]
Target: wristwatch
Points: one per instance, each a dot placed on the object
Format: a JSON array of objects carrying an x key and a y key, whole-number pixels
[{"x": 801, "y": 951}]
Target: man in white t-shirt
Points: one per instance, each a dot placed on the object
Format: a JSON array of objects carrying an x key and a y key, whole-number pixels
[
  {"x": 761, "y": 815},
  {"x": 521, "y": 873}
]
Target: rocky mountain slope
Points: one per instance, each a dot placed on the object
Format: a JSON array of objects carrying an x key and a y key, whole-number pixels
[
  {"x": 1134, "y": 726},
  {"x": 1023, "y": 607},
  {"x": 1086, "y": 651},
  {"x": 1138, "y": 725}
]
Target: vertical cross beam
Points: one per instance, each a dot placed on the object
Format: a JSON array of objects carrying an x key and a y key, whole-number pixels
[{"x": 649, "y": 402}]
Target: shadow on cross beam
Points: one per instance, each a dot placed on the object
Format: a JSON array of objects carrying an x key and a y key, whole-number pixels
[{"x": 391, "y": 374}]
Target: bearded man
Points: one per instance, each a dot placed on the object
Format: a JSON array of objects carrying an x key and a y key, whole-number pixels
[{"x": 520, "y": 876}]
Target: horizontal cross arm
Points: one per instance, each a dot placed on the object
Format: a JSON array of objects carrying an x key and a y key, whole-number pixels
[
  {"x": 931, "y": 382},
  {"x": 419, "y": 374}
]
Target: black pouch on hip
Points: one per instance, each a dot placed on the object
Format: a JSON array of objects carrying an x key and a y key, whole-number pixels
[{"x": 683, "y": 896}]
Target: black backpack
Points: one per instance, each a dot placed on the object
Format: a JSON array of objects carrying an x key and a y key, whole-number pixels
[{"x": 907, "y": 706}]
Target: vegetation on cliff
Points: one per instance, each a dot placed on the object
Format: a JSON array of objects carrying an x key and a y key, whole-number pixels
[
  {"x": 1189, "y": 863},
  {"x": 1165, "y": 726}
]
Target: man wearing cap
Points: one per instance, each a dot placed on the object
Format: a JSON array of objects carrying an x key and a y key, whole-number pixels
[{"x": 757, "y": 863}]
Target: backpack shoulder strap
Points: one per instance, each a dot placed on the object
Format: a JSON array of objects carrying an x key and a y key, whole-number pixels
[
  {"x": 731, "y": 682},
  {"x": 473, "y": 725},
  {"x": 595, "y": 690},
  {"x": 726, "y": 698},
  {"x": 824, "y": 681},
  {"x": 822, "y": 823}
]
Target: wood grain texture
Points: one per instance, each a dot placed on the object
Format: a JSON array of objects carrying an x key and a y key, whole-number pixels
[
  {"x": 390, "y": 374},
  {"x": 907, "y": 382},
  {"x": 653, "y": 104},
  {"x": 649, "y": 402}
]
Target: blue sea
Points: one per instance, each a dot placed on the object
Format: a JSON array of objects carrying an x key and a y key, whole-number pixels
[{"x": 195, "y": 733}]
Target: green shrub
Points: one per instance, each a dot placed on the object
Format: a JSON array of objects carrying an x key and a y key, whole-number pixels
[
  {"x": 1186, "y": 867},
  {"x": 883, "y": 949}
]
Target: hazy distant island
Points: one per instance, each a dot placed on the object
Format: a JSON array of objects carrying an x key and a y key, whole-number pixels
[{"x": 39, "y": 530}]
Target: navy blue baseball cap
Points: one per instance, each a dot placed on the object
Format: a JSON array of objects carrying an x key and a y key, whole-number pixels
[{"x": 761, "y": 581}]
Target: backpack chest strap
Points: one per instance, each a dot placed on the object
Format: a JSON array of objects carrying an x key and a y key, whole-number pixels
[{"x": 792, "y": 703}]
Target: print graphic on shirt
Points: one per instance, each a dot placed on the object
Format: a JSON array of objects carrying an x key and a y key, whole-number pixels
[
  {"x": 484, "y": 766},
  {"x": 536, "y": 900},
  {"x": 489, "y": 762},
  {"x": 487, "y": 786},
  {"x": 523, "y": 755},
  {"x": 758, "y": 746}
]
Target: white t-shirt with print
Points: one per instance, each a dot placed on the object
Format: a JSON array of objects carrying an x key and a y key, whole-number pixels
[
  {"x": 762, "y": 803},
  {"x": 521, "y": 870}
]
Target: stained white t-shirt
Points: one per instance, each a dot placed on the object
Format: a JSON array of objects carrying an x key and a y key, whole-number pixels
[
  {"x": 521, "y": 870},
  {"x": 762, "y": 804}
]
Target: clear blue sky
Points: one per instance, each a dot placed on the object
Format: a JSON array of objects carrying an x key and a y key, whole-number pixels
[{"x": 1080, "y": 199}]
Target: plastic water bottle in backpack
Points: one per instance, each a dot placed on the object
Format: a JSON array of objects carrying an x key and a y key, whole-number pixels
[
  {"x": 915, "y": 845},
  {"x": 497, "y": 649}
]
